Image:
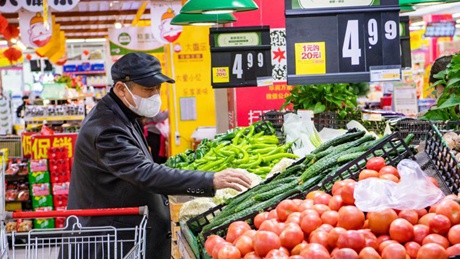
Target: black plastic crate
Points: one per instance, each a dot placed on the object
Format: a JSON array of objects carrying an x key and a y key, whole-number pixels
[
  {"x": 276, "y": 118},
  {"x": 393, "y": 149},
  {"x": 442, "y": 159},
  {"x": 420, "y": 128}
]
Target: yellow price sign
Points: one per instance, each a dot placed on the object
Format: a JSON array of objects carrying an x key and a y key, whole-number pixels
[
  {"x": 310, "y": 58},
  {"x": 220, "y": 75}
]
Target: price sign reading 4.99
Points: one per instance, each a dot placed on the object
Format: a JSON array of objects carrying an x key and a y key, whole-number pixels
[
  {"x": 352, "y": 36},
  {"x": 240, "y": 57}
]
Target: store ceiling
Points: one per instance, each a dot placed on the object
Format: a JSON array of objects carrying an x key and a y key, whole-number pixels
[{"x": 92, "y": 18}]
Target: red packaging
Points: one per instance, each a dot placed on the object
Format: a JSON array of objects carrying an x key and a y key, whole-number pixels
[
  {"x": 61, "y": 188},
  {"x": 39, "y": 165},
  {"x": 60, "y": 222},
  {"x": 60, "y": 201},
  {"x": 60, "y": 177},
  {"x": 40, "y": 189}
]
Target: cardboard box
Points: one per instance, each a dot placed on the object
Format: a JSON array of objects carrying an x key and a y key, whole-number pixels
[{"x": 174, "y": 209}]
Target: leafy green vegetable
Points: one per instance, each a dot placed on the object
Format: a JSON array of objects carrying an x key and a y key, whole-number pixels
[
  {"x": 340, "y": 98},
  {"x": 448, "y": 104}
]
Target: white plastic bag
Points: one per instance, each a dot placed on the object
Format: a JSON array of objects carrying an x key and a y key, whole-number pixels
[{"x": 414, "y": 191}]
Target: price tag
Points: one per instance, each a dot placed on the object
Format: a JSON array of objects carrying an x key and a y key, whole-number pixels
[
  {"x": 372, "y": 117},
  {"x": 241, "y": 56},
  {"x": 348, "y": 42},
  {"x": 382, "y": 74},
  {"x": 405, "y": 98}
]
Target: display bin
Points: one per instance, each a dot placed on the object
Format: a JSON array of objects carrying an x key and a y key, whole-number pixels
[
  {"x": 420, "y": 128},
  {"x": 13, "y": 144},
  {"x": 392, "y": 148},
  {"x": 276, "y": 118},
  {"x": 442, "y": 159}
]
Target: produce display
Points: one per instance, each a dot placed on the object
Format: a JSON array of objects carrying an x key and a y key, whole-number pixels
[
  {"x": 329, "y": 225},
  {"x": 302, "y": 176},
  {"x": 255, "y": 148},
  {"x": 453, "y": 142}
]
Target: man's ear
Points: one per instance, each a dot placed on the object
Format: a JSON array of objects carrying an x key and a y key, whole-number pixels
[{"x": 119, "y": 89}]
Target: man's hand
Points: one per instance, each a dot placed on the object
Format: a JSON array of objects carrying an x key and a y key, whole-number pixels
[{"x": 230, "y": 178}]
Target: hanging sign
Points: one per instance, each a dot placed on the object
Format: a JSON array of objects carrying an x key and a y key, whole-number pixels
[
  {"x": 33, "y": 31},
  {"x": 240, "y": 56},
  {"x": 133, "y": 39},
  {"x": 161, "y": 16},
  {"x": 12, "y": 6},
  {"x": 353, "y": 36}
]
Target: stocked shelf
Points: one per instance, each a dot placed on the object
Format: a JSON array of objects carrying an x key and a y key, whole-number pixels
[
  {"x": 56, "y": 118},
  {"x": 85, "y": 73}
]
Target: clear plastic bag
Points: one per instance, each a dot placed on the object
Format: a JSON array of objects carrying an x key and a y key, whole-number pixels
[{"x": 414, "y": 191}]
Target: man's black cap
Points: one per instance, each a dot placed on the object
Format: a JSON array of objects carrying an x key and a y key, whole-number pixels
[{"x": 141, "y": 68}]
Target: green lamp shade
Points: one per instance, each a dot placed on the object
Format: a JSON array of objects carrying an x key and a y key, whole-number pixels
[
  {"x": 202, "y": 19},
  {"x": 407, "y": 8},
  {"x": 419, "y": 2},
  {"x": 218, "y": 6}
]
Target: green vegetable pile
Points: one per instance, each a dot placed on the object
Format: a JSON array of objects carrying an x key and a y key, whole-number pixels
[
  {"x": 255, "y": 148},
  {"x": 448, "y": 104},
  {"x": 316, "y": 168}
]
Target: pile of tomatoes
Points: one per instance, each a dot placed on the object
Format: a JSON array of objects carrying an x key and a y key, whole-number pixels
[{"x": 330, "y": 226}]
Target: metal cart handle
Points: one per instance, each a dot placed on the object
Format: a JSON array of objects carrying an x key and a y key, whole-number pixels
[{"x": 142, "y": 210}]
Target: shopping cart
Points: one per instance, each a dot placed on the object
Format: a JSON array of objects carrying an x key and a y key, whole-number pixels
[{"x": 75, "y": 240}]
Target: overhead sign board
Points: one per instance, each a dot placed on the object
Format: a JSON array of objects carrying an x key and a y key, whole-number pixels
[
  {"x": 240, "y": 56},
  {"x": 338, "y": 41}
]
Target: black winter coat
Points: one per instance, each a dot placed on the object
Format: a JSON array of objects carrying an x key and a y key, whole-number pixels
[{"x": 113, "y": 168}]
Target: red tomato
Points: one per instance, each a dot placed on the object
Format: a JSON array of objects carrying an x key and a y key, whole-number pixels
[
  {"x": 252, "y": 255},
  {"x": 375, "y": 163},
  {"x": 229, "y": 252},
  {"x": 401, "y": 230},
  {"x": 319, "y": 237},
  {"x": 386, "y": 243},
  {"x": 309, "y": 223},
  {"x": 269, "y": 225},
  {"x": 394, "y": 251},
  {"x": 371, "y": 239},
  {"x": 321, "y": 208},
  {"x": 211, "y": 241},
  {"x": 250, "y": 233},
  {"x": 296, "y": 257},
  {"x": 291, "y": 236},
  {"x": 412, "y": 249},
  {"x": 420, "y": 232},
  {"x": 439, "y": 224},
  {"x": 337, "y": 187},
  {"x": 409, "y": 215},
  {"x": 389, "y": 170},
  {"x": 276, "y": 254},
  {"x": 382, "y": 238},
  {"x": 306, "y": 204},
  {"x": 308, "y": 212},
  {"x": 350, "y": 218},
  {"x": 389, "y": 177},
  {"x": 347, "y": 193},
  {"x": 437, "y": 239},
  {"x": 296, "y": 250},
  {"x": 453, "y": 250},
  {"x": 430, "y": 251},
  {"x": 322, "y": 198},
  {"x": 351, "y": 239},
  {"x": 235, "y": 230},
  {"x": 434, "y": 181},
  {"x": 366, "y": 173},
  {"x": 312, "y": 195},
  {"x": 325, "y": 227},
  {"x": 259, "y": 218},
  {"x": 345, "y": 253},
  {"x": 314, "y": 251},
  {"x": 217, "y": 247},
  {"x": 244, "y": 244},
  {"x": 450, "y": 209},
  {"x": 454, "y": 235},
  {"x": 334, "y": 236},
  {"x": 294, "y": 218},
  {"x": 330, "y": 217},
  {"x": 265, "y": 241},
  {"x": 425, "y": 219},
  {"x": 272, "y": 215},
  {"x": 284, "y": 208},
  {"x": 336, "y": 202},
  {"x": 369, "y": 253},
  {"x": 421, "y": 212}
]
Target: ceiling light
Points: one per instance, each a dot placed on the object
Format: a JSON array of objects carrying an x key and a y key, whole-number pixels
[
  {"x": 202, "y": 19},
  {"x": 118, "y": 25},
  {"x": 218, "y": 7}
]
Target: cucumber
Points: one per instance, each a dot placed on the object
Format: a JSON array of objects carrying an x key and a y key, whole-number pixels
[
  {"x": 290, "y": 170},
  {"x": 339, "y": 140},
  {"x": 272, "y": 193},
  {"x": 349, "y": 157}
]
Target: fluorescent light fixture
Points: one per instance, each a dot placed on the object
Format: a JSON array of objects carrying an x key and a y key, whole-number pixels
[
  {"x": 118, "y": 25},
  {"x": 218, "y": 6}
]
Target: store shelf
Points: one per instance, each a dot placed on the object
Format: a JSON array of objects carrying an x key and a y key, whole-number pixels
[
  {"x": 56, "y": 118},
  {"x": 85, "y": 72}
]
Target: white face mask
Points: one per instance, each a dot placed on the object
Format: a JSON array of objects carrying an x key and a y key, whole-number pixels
[{"x": 147, "y": 107}]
